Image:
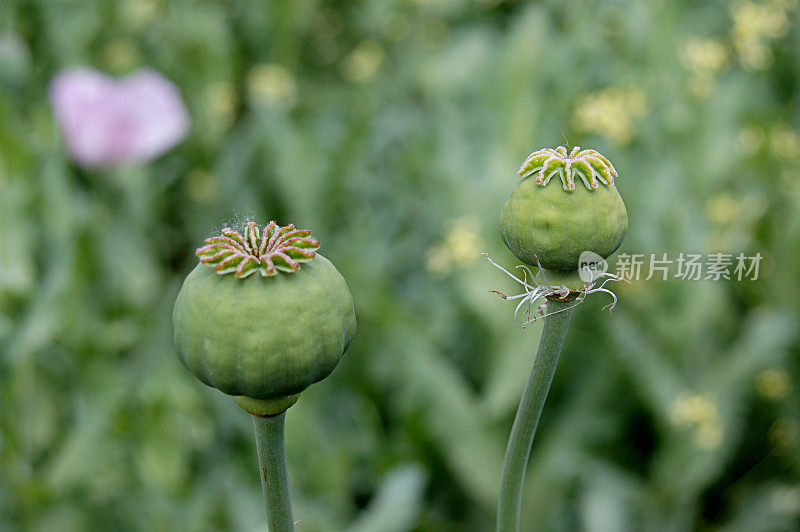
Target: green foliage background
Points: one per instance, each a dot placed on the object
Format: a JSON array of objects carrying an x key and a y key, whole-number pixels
[{"x": 394, "y": 129}]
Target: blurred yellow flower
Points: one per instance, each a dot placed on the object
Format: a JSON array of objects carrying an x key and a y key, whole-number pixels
[
  {"x": 690, "y": 408},
  {"x": 755, "y": 23},
  {"x": 733, "y": 219},
  {"x": 120, "y": 55},
  {"x": 773, "y": 384},
  {"x": 272, "y": 84},
  {"x": 140, "y": 12},
  {"x": 784, "y": 142},
  {"x": 220, "y": 101},
  {"x": 461, "y": 246},
  {"x": 363, "y": 63},
  {"x": 438, "y": 262},
  {"x": 610, "y": 113},
  {"x": 700, "y": 413},
  {"x": 708, "y": 435},
  {"x": 704, "y": 55},
  {"x": 201, "y": 185},
  {"x": 463, "y": 240},
  {"x": 703, "y": 58},
  {"x": 722, "y": 209}
]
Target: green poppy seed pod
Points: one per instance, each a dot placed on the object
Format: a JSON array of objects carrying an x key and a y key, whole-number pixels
[
  {"x": 552, "y": 226},
  {"x": 263, "y": 338}
]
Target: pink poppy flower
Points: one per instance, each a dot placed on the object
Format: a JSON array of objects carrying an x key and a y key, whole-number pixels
[{"x": 106, "y": 121}]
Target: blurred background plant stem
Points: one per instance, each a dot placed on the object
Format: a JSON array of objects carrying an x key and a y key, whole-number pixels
[{"x": 529, "y": 412}]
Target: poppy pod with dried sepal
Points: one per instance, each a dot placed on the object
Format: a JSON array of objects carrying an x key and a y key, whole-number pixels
[
  {"x": 263, "y": 316},
  {"x": 555, "y": 229},
  {"x": 551, "y": 226}
]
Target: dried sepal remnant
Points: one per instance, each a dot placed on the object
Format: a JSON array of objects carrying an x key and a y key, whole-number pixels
[
  {"x": 590, "y": 165},
  {"x": 269, "y": 251},
  {"x": 539, "y": 289}
]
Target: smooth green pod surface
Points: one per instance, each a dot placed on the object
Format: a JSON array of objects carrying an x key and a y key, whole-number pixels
[
  {"x": 558, "y": 225},
  {"x": 264, "y": 337}
]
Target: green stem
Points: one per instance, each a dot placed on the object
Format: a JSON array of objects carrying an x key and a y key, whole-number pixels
[
  {"x": 528, "y": 413},
  {"x": 272, "y": 464}
]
